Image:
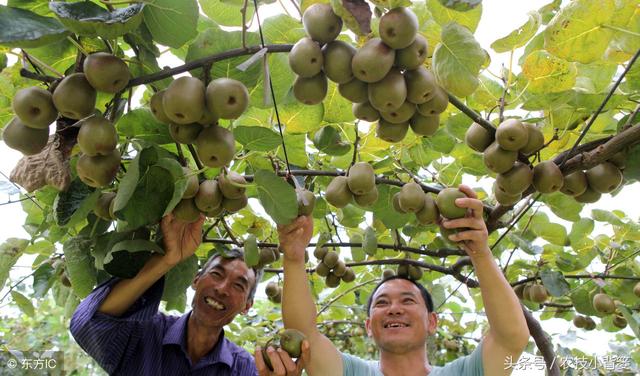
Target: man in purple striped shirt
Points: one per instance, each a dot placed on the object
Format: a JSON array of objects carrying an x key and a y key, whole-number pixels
[{"x": 119, "y": 325}]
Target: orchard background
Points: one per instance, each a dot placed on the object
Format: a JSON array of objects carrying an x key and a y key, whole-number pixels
[{"x": 569, "y": 69}]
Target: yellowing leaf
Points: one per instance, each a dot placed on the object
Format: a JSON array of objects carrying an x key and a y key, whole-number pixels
[
  {"x": 547, "y": 73},
  {"x": 520, "y": 36},
  {"x": 444, "y": 15}
]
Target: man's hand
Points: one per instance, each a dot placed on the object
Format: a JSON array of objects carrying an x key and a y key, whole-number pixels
[
  {"x": 474, "y": 240},
  {"x": 295, "y": 237},
  {"x": 281, "y": 362},
  {"x": 181, "y": 239}
]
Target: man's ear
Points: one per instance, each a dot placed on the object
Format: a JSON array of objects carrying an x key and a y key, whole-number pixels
[
  {"x": 433, "y": 323},
  {"x": 247, "y": 307},
  {"x": 195, "y": 280},
  {"x": 367, "y": 326}
]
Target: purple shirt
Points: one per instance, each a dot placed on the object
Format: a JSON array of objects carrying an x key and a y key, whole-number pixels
[{"x": 145, "y": 342}]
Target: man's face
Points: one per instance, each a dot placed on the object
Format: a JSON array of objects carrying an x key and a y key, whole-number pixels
[
  {"x": 399, "y": 320},
  {"x": 222, "y": 291}
]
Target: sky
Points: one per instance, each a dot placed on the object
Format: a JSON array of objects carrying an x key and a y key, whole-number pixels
[{"x": 499, "y": 18}]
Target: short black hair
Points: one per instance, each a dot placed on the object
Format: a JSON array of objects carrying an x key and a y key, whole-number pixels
[
  {"x": 428, "y": 301},
  {"x": 233, "y": 254}
]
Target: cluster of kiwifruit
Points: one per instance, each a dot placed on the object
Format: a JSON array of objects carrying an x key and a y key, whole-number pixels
[
  {"x": 605, "y": 305},
  {"x": 289, "y": 340},
  {"x": 413, "y": 272},
  {"x": 385, "y": 79},
  {"x": 588, "y": 186},
  {"x": 584, "y": 322},
  {"x": 534, "y": 292},
  {"x": 359, "y": 185},
  {"x": 192, "y": 112},
  {"x": 273, "y": 292},
  {"x": 332, "y": 268},
  {"x": 74, "y": 97}
]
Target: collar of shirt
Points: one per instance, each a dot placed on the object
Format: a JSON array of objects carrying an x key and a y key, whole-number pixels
[{"x": 176, "y": 334}]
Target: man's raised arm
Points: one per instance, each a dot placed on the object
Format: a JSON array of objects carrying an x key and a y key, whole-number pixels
[
  {"x": 508, "y": 333},
  {"x": 298, "y": 307}
]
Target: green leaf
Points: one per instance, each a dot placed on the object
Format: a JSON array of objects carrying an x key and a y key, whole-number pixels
[
  {"x": 458, "y": 124},
  {"x": 631, "y": 320},
  {"x": 606, "y": 216},
  {"x": 43, "y": 278},
  {"x": 142, "y": 125},
  {"x": 328, "y": 140},
  {"x": 181, "y": 181},
  {"x": 383, "y": 208},
  {"x": 152, "y": 195},
  {"x": 552, "y": 232},
  {"x": 23, "y": 303},
  {"x": 582, "y": 299},
  {"x": 576, "y": 33},
  {"x": 520, "y": 36},
  {"x": 276, "y": 196},
  {"x": 79, "y": 265},
  {"x": 370, "y": 241},
  {"x": 176, "y": 282},
  {"x": 281, "y": 78},
  {"x": 350, "y": 216},
  {"x": 296, "y": 149},
  {"x": 172, "y": 23},
  {"x": 626, "y": 18},
  {"x": 554, "y": 282},
  {"x": 74, "y": 204},
  {"x": 563, "y": 206},
  {"x": 251, "y": 251},
  {"x": 580, "y": 232},
  {"x": 10, "y": 252},
  {"x": 441, "y": 141},
  {"x": 91, "y": 20},
  {"x": 461, "y": 5},
  {"x": 443, "y": 15},
  {"x": 299, "y": 118},
  {"x": 226, "y": 13},
  {"x": 457, "y": 60},
  {"x": 337, "y": 108},
  {"x": 25, "y": 29},
  {"x": 256, "y": 138},
  {"x": 41, "y": 247},
  {"x": 547, "y": 73},
  {"x": 282, "y": 28},
  {"x": 595, "y": 78},
  {"x": 127, "y": 257},
  {"x": 525, "y": 244}
]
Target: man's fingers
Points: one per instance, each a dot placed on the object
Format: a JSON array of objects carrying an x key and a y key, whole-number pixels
[
  {"x": 471, "y": 203},
  {"x": 260, "y": 364},
  {"x": 473, "y": 235},
  {"x": 276, "y": 362},
  {"x": 462, "y": 223},
  {"x": 288, "y": 363},
  {"x": 467, "y": 190},
  {"x": 305, "y": 356}
]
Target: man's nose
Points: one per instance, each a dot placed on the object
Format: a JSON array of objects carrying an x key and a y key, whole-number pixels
[{"x": 395, "y": 308}]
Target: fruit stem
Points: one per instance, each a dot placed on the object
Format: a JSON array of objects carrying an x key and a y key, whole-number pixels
[{"x": 78, "y": 46}]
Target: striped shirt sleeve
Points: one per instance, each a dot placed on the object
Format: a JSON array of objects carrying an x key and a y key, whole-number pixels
[{"x": 109, "y": 339}]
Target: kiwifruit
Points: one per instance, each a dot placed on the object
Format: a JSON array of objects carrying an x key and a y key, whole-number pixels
[
  {"x": 184, "y": 100},
  {"x": 516, "y": 180},
  {"x": 355, "y": 90},
  {"x": 389, "y": 93},
  {"x": 291, "y": 342},
  {"x": 185, "y": 133},
  {"x": 34, "y": 106},
  {"x": 322, "y": 269},
  {"x": 619, "y": 322},
  {"x": 102, "y": 205},
  {"x": 311, "y": 90},
  {"x": 446, "y": 202},
  {"x": 331, "y": 259},
  {"x": 271, "y": 289},
  {"x": 74, "y": 97},
  {"x": 436, "y": 105},
  {"x": 604, "y": 178},
  {"x": 446, "y": 233},
  {"x": 580, "y": 321},
  {"x": 424, "y": 125},
  {"x": 415, "y": 272},
  {"x": 97, "y": 136},
  {"x": 421, "y": 85},
  {"x": 512, "y": 135},
  {"x": 232, "y": 185},
  {"x": 338, "y": 193},
  {"x": 233, "y": 205},
  {"x": 518, "y": 290},
  {"x": 332, "y": 280},
  {"x": 497, "y": 159},
  {"x": 391, "y": 132},
  {"x": 526, "y": 292},
  {"x": 388, "y": 273},
  {"x": 106, "y": 72},
  {"x": 361, "y": 178},
  {"x": 227, "y": 98},
  {"x": 396, "y": 203},
  {"x": 186, "y": 211},
  {"x": 306, "y": 201},
  {"x": 267, "y": 256},
  {"x": 337, "y": 61},
  {"x": 192, "y": 183},
  {"x": 208, "y": 118},
  {"x": 277, "y": 298},
  {"x": 368, "y": 198},
  {"x": 209, "y": 196},
  {"x": 414, "y": 55},
  {"x": 603, "y": 303},
  {"x": 215, "y": 146},
  {"x": 505, "y": 198},
  {"x": 400, "y": 115},
  {"x": 411, "y": 198},
  {"x": 349, "y": 275},
  {"x": 215, "y": 212},
  {"x": 27, "y": 140},
  {"x": 451, "y": 345},
  {"x": 319, "y": 252},
  {"x": 619, "y": 159},
  {"x": 429, "y": 212},
  {"x": 575, "y": 183},
  {"x": 636, "y": 289},
  {"x": 547, "y": 177},
  {"x": 157, "y": 108},
  {"x": 478, "y": 138},
  {"x": 535, "y": 139},
  {"x": 100, "y": 170},
  {"x": 589, "y": 196},
  {"x": 306, "y": 58},
  {"x": 590, "y": 323},
  {"x": 365, "y": 111},
  {"x": 398, "y": 27},
  {"x": 403, "y": 270},
  {"x": 538, "y": 293},
  {"x": 372, "y": 61},
  {"x": 321, "y": 23},
  {"x": 339, "y": 269}
]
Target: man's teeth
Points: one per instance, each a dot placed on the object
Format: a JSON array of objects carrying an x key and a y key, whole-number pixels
[
  {"x": 213, "y": 304},
  {"x": 396, "y": 325}
]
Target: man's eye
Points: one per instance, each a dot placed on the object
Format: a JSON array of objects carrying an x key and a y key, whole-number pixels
[{"x": 381, "y": 302}]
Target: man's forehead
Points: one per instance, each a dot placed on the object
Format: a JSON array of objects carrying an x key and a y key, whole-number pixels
[
  {"x": 397, "y": 287},
  {"x": 235, "y": 265}
]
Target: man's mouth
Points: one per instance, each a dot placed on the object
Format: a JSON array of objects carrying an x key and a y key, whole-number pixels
[
  {"x": 395, "y": 325},
  {"x": 214, "y": 303}
]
